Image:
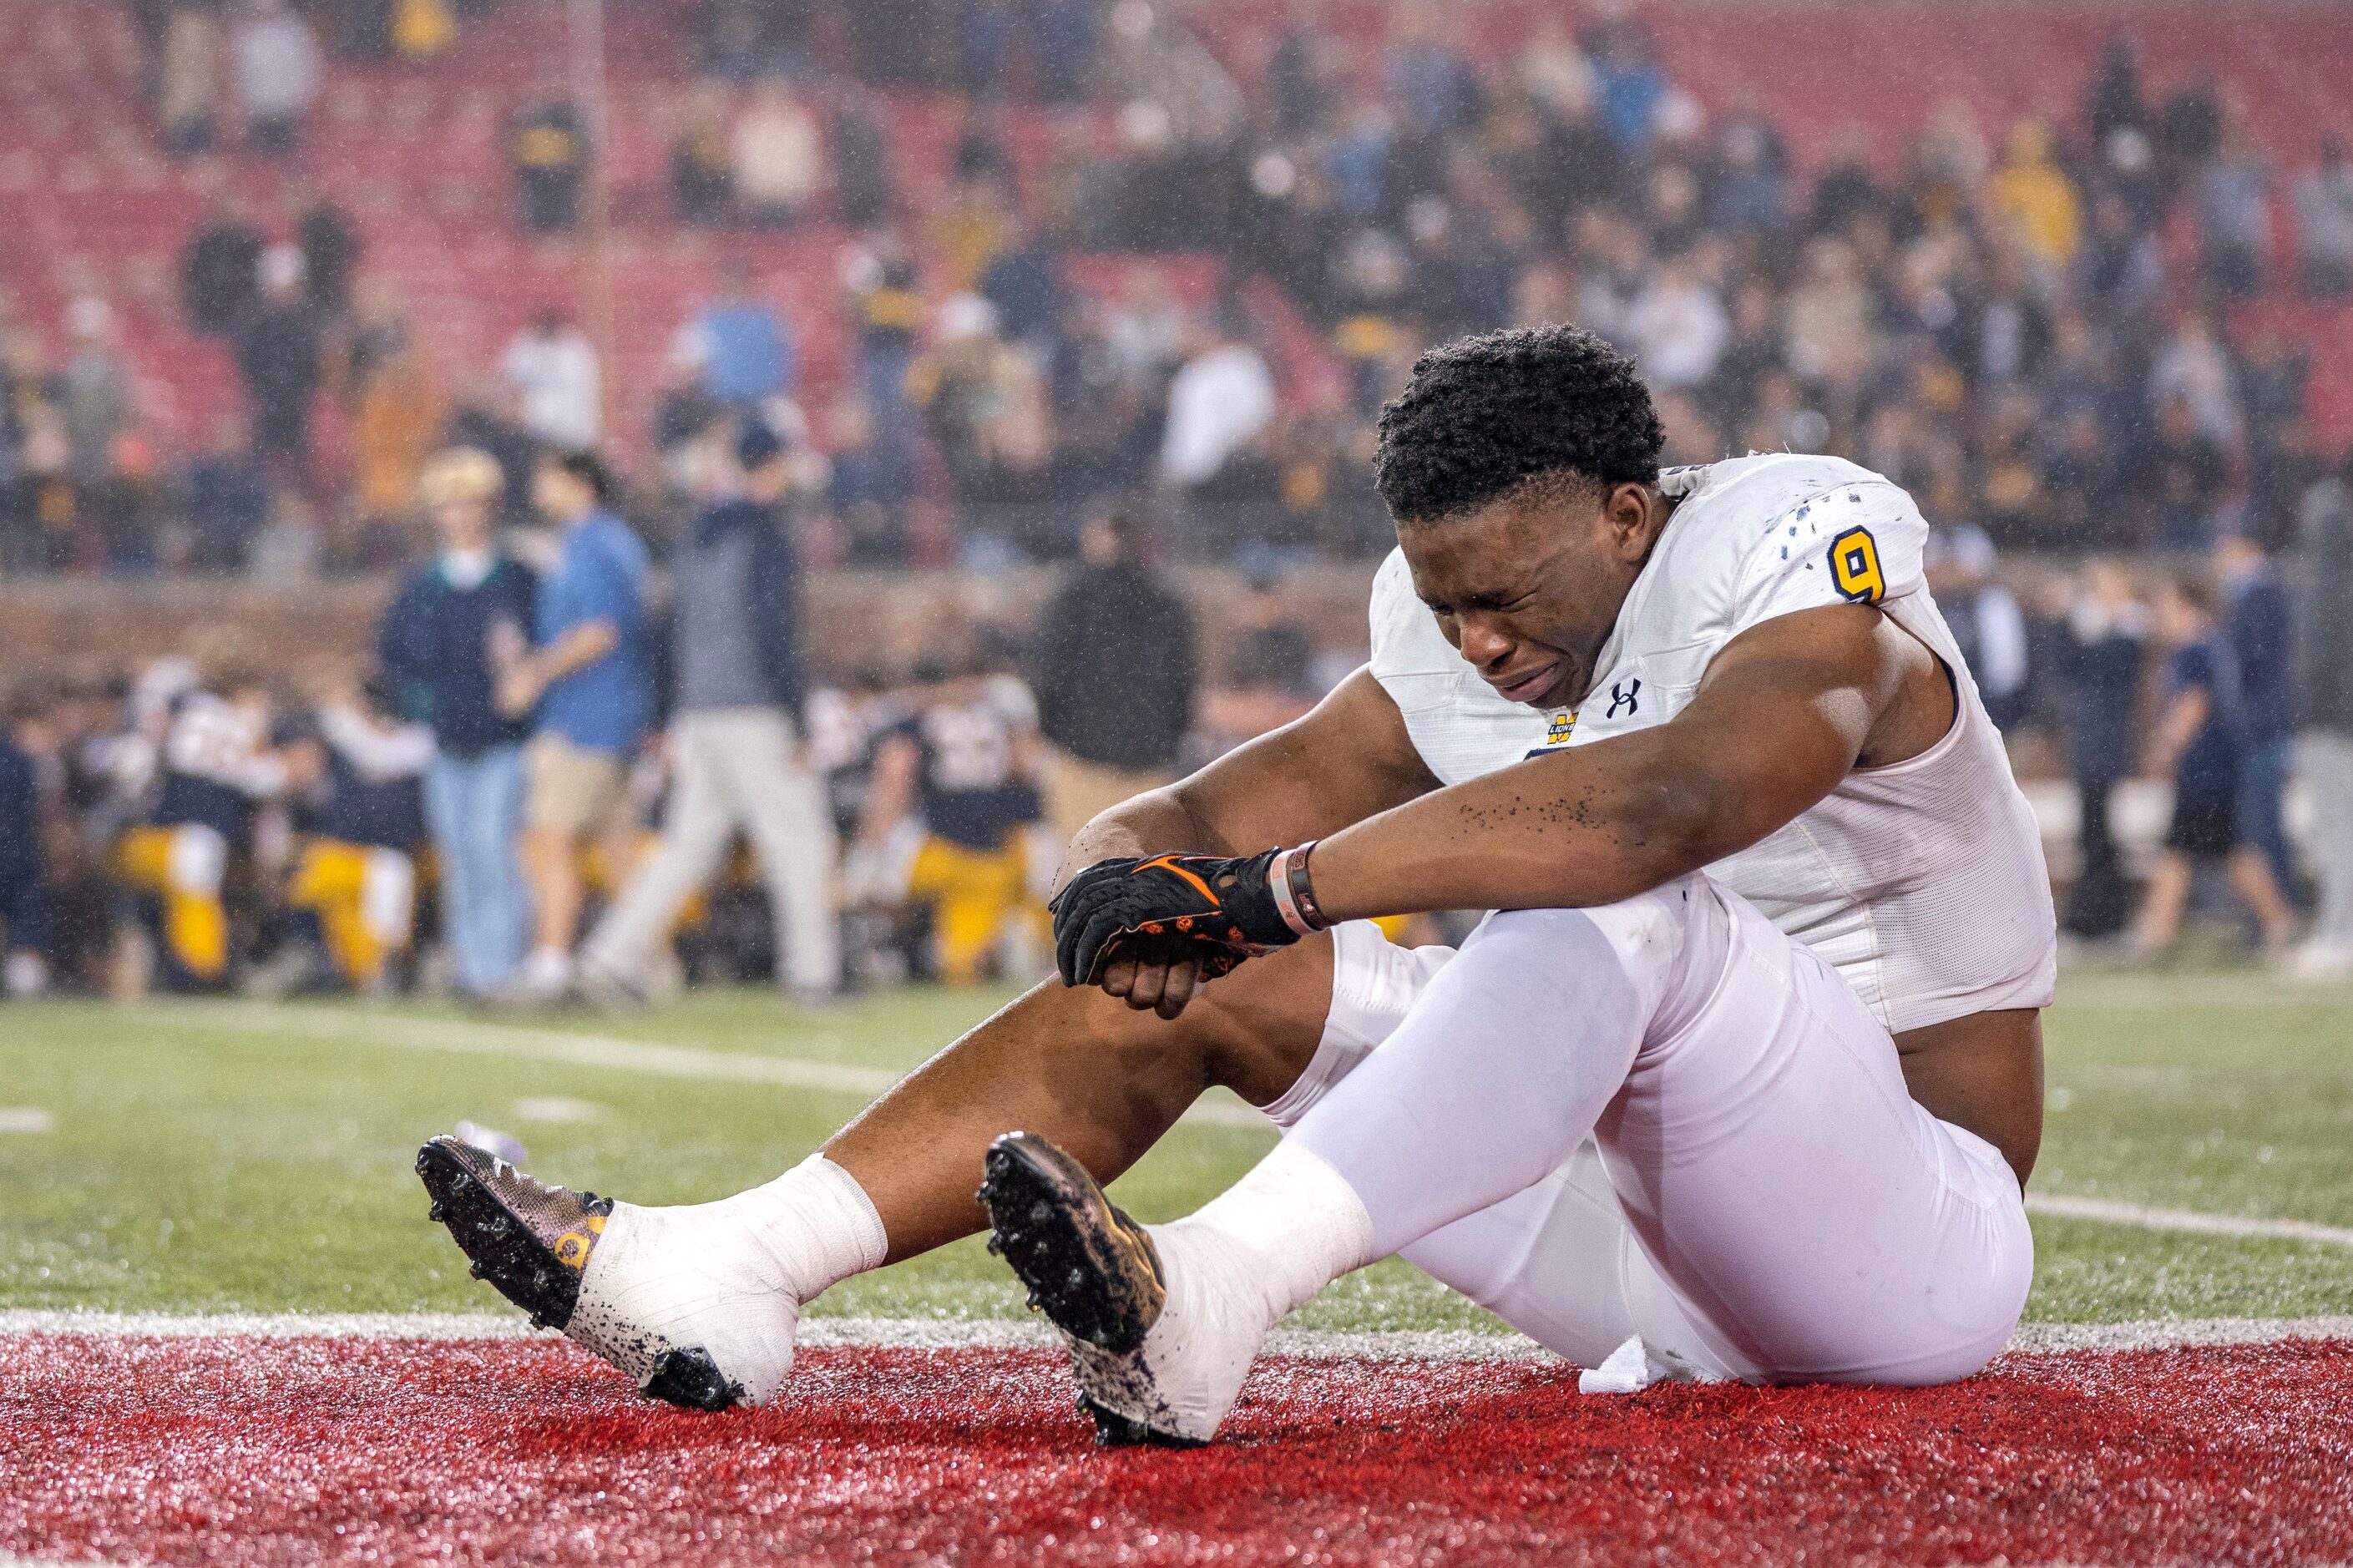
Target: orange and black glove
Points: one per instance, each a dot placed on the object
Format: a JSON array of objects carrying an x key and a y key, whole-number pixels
[{"x": 1213, "y": 911}]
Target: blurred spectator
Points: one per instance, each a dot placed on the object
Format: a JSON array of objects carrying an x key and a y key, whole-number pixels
[
  {"x": 453, "y": 630},
  {"x": 125, "y": 508},
  {"x": 24, "y": 870},
  {"x": 2325, "y": 749},
  {"x": 279, "y": 72},
  {"x": 1024, "y": 282},
  {"x": 40, "y": 504},
  {"x": 587, "y": 686},
  {"x": 218, "y": 271},
  {"x": 2116, "y": 103},
  {"x": 2101, "y": 644},
  {"x": 394, "y": 429},
  {"x": 422, "y": 29},
  {"x": 701, "y": 182},
  {"x": 1678, "y": 327},
  {"x": 2256, "y": 622},
  {"x": 552, "y": 366},
  {"x": 489, "y": 419},
  {"x": 864, "y": 195},
  {"x": 547, "y": 148},
  {"x": 740, "y": 343},
  {"x": 1220, "y": 400},
  {"x": 194, "y": 58},
  {"x": 279, "y": 345},
  {"x": 738, "y": 743},
  {"x": 2033, "y": 193},
  {"x": 775, "y": 160},
  {"x": 224, "y": 499},
  {"x": 2232, "y": 205},
  {"x": 2198, "y": 741},
  {"x": 1987, "y": 624},
  {"x": 1114, "y": 676},
  {"x": 330, "y": 251},
  {"x": 93, "y": 387},
  {"x": 2324, "y": 222},
  {"x": 2181, "y": 471}
]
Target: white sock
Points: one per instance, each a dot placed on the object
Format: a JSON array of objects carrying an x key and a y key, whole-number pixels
[
  {"x": 548, "y": 968},
  {"x": 814, "y": 1223},
  {"x": 1293, "y": 1225}
]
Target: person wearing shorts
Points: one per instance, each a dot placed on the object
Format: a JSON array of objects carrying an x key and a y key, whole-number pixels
[{"x": 2201, "y": 736}]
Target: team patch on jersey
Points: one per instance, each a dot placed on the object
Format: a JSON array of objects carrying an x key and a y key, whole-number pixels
[
  {"x": 1556, "y": 733},
  {"x": 1854, "y": 567}
]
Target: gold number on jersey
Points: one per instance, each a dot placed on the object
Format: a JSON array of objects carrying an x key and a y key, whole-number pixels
[{"x": 1854, "y": 567}]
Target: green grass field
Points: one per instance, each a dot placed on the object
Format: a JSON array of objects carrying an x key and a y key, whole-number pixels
[{"x": 211, "y": 1157}]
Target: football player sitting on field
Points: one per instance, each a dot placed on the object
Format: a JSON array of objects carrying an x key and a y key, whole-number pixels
[{"x": 1742, "y": 1079}]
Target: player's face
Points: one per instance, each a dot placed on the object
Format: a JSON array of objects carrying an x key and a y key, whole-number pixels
[{"x": 1527, "y": 588}]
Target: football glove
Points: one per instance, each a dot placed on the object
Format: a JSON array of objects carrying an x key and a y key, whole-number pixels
[{"x": 1213, "y": 911}]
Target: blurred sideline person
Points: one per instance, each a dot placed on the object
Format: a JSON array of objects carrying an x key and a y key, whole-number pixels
[
  {"x": 949, "y": 820},
  {"x": 2200, "y": 739},
  {"x": 587, "y": 678},
  {"x": 25, "y": 898},
  {"x": 362, "y": 826},
  {"x": 1114, "y": 677},
  {"x": 2256, "y": 619},
  {"x": 2100, "y": 655},
  {"x": 219, "y": 763},
  {"x": 456, "y": 625},
  {"x": 738, "y": 746},
  {"x": 2325, "y": 749}
]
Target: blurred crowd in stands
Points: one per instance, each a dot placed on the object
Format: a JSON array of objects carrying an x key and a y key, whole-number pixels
[{"x": 1990, "y": 319}]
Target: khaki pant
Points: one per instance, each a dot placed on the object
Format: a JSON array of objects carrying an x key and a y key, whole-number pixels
[
  {"x": 1079, "y": 792},
  {"x": 735, "y": 767}
]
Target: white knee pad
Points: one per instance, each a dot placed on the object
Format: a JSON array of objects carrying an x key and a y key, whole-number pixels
[
  {"x": 198, "y": 861},
  {"x": 388, "y": 896}
]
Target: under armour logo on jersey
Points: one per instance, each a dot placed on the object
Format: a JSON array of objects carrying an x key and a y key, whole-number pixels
[{"x": 1626, "y": 695}]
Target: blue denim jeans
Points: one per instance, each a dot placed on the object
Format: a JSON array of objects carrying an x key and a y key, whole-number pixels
[
  {"x": 474, "y": 807},
  {"x": 2261, "y": 814}
]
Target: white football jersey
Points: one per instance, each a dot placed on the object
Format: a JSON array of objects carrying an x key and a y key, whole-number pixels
[{"x": 1922, "y": 882}]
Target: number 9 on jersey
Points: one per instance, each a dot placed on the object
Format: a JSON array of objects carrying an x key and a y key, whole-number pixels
[{"x": 1854, "y": 567}]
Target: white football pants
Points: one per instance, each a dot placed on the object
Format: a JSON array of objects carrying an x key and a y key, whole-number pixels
[
  {"x": 735, "y": 767},
  {"x": 1662, "y": 1118}
]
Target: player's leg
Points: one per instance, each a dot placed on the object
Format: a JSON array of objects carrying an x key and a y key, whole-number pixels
[
  {"x": 698, "y": 1303},
  {"x": 388, "y": 907},
  {"x": 1556, "y": 1261},
  {"x": 792, "y": 831},
  {"x": 702, "y": 816},
  {"x": 1813, "y": 1221},
  {"x": 327, "y": 885},
  {"x": 182, "y": 868}
]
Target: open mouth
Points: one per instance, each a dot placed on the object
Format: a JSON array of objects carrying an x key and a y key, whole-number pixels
[{"x": 1528, "y": 688}]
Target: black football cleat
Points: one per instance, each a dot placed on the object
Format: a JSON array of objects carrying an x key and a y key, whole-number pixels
[
  {"x": 533, "y": 1243},
  {"x": 1089, "y": 1268}
]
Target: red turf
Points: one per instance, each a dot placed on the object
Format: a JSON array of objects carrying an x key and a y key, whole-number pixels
[{"x": 528, "y": 1452}]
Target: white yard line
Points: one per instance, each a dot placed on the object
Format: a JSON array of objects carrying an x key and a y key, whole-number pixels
[
  {"x": 2064, "y": 1205},
  {"x": 949, "y": 1333},
  {"x": 460, "y": 1036}
]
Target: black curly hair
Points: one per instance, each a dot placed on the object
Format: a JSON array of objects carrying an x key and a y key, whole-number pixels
[{"x": 1484, "y": 415}]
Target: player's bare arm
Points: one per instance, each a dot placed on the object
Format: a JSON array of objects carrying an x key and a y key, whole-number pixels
[{"x": 1784, "y": 713}]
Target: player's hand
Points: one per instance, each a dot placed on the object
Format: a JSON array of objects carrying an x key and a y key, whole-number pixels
[{"x": 1150, "y": 931}]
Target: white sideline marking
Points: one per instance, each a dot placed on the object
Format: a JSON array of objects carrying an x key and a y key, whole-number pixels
[
  {"x": 950, "y": 1333},
  {"x": 26, "y": 1119},
  {"x": 462, "y": 1037},
  {"x": 2063, "y": 1206}
]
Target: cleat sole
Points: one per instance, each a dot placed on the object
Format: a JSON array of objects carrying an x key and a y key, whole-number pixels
[
  {"x": 1052, "y": 1225},
  {"x": 1114, "y": 1430},
  {"x": 499, "y": 1246},
  {"x": 690, "y": 1380}
]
